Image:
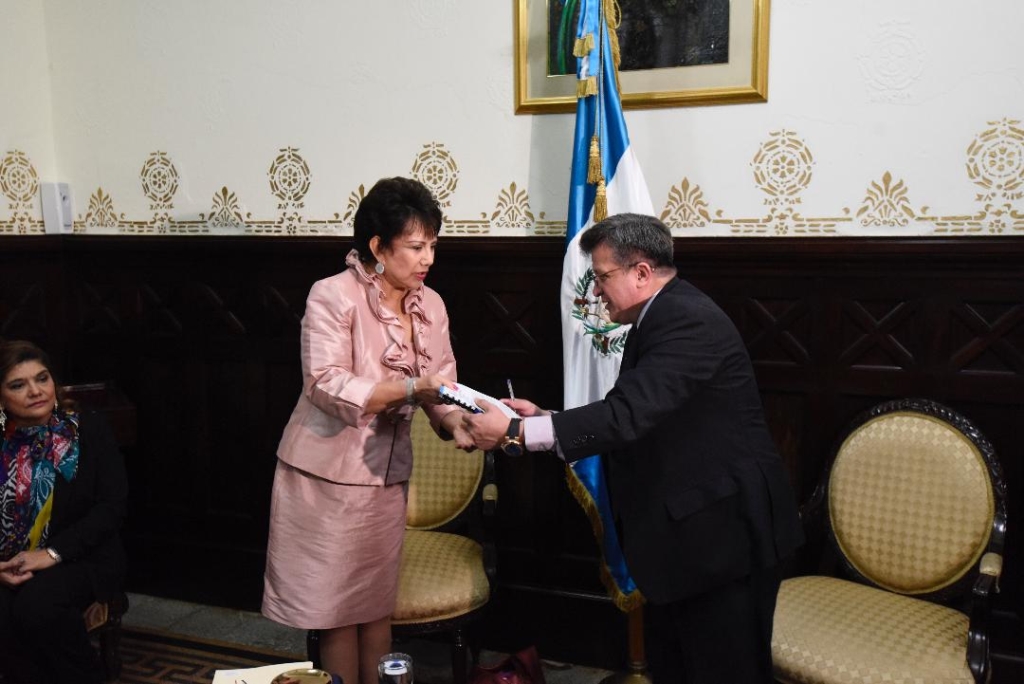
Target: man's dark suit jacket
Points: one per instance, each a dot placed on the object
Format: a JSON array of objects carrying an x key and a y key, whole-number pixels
[{"x": 699, "y": 493}]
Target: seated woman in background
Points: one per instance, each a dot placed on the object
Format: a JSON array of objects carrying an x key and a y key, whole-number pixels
[{"x": 63, "y": 491}]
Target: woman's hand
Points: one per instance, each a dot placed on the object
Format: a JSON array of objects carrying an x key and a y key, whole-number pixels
[
  {"x": 23, "y": 566},
  {"x": 452, "y": 424},
  {"x": 11, "y": 578},
  {"x": 428, "y": 388},
  {"x": 463, "y": 439}
]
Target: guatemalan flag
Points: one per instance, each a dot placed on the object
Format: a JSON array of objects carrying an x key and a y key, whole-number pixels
[{"x": 606, "y": 180}]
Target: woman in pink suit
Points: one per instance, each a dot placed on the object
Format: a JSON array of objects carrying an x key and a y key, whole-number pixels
[{"x": 375, "y": 346}]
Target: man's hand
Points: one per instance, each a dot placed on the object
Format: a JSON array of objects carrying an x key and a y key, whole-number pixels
[
  {"x": 524, "y": 407},
  {"x": 487, "y": 429}
]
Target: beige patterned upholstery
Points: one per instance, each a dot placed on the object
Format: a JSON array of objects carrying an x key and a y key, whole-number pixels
[
  {"x": 910, "y": 502},
  {"x": 914, "y": 499},
  {"x": 831, "y": 630},
  {"x": 444, "y": 479},
  {"x": 441, "y": 577}
]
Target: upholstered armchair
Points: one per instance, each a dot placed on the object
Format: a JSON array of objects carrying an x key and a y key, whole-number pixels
[
  {"x": 444, "y": 580},
  {"x": 448, "y": 561},
  {"x": 914, "y": 508}
]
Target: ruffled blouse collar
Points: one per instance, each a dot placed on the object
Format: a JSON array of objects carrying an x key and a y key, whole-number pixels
[{"x": 395, "y": 355}]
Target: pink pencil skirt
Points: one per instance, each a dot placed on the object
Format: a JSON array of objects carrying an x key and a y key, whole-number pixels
[{"x": 333, "y": 551}]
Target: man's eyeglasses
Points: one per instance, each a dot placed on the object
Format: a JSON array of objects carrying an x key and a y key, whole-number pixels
[{"x": 602, "y": 278}]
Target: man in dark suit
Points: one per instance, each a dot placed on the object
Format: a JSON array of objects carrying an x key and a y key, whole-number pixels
[{"x": 703, "y": 507}]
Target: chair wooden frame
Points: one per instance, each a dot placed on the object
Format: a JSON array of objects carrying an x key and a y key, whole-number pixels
[
  {"x": 972, "y": 592},
  {"x": 103, "y": 623}
]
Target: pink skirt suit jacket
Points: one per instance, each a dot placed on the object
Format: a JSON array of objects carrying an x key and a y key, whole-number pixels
[{"x": 338, "y": 505}]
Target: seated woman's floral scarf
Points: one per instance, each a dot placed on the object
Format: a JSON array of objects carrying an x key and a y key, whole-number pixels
[{"x": 30, "y": 460}]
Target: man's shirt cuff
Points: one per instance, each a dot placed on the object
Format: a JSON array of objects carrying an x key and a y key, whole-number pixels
[{"x": 539, "y": 435}]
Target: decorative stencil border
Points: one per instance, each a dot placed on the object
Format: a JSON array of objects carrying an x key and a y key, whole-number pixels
[{"x": 782, "y": 170}]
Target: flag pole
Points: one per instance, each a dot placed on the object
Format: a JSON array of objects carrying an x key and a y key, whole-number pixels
[{"x": 637, "y": 672}]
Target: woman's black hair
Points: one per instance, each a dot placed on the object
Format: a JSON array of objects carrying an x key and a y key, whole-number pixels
[{"x": 388, "y": 208}]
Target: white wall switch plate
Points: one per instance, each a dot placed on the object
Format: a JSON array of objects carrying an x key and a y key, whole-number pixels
[{"x": 58, "y": 216}]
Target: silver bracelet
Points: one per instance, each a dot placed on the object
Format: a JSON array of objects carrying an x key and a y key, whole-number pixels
[
  {"x": 410, "y": 390},
  {"x": 52, "y": 553}
]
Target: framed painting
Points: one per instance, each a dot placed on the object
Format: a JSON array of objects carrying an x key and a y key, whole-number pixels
[{"x": 675, "y": 53}]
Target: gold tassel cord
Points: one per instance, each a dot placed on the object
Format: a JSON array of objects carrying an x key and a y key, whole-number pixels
[
  {"x": 613, "y": 15},
  {"x": 614, "y": 12},
  {"x": 601, "y": 202},
  {"x": 594, "y": 161}
]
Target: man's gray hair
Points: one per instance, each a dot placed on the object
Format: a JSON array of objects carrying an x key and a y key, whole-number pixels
[{"x": 632, "y": 238}]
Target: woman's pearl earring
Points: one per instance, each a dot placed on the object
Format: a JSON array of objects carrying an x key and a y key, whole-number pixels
[{"x": 379, "y": 268}]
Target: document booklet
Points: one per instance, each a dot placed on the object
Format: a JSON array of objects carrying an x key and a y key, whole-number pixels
[
  {"x": 257, "y": 675},
  {"x": 466, "y": 397}
]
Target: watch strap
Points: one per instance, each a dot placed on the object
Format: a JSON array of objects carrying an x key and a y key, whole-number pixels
[{"x": 511, "y": 445}]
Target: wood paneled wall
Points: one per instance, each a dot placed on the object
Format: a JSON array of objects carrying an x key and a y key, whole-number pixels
[{"x": 202, "y": 335}]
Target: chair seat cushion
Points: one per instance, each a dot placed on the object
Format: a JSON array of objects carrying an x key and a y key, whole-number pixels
[
  {"x": 441, "y": 576},
  {"x": 831, "y": 630}
]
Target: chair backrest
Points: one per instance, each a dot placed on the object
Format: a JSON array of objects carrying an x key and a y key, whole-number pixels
[
  {"x": 915, "y": 497},
  {"x": 444, "y": 478}
]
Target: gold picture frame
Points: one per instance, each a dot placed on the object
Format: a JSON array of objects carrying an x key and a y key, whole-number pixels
[{"x": 743, "y": 79}]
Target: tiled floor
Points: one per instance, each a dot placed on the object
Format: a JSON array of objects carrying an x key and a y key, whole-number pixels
[
  {"x": 431, "y": 659},
  {"x": 208, "y": 622}
]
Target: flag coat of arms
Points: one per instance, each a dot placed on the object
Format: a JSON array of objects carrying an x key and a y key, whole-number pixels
[{"x": 606, "y": 179}]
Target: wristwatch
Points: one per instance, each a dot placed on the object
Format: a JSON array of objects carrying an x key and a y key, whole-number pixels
[{"x": 512, "y": 445}]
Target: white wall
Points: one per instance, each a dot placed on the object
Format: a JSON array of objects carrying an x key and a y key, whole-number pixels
[
  {"x": 167, "y": 117},
  {"x": 26, "y": 128}
]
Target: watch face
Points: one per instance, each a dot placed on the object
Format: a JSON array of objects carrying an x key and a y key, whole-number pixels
[{"x": 512, "y": 449}]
